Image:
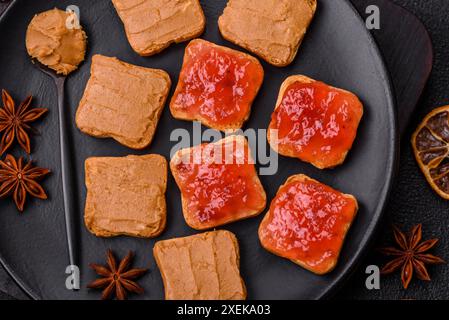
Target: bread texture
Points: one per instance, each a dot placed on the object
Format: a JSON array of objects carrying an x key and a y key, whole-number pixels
[
  {"x": 193, "y": 213},
  {"x": 179, "y": 108},
  {"x": 201, "y": 267},
  {"x": 324, "y": 162},
  {"x": 126, "y": 196},
  {"x": 272, "y": 240},
  {"x": 153, "y": 25},
  {"x": 271, "y": 29},
  {"x": 123, "y": 102}
]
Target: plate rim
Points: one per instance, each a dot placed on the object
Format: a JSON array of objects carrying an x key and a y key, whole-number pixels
[
  {"x": 20, "y": 283},
  {"x": 392, "y": 166},
  {"x": 393, "y": 157}
]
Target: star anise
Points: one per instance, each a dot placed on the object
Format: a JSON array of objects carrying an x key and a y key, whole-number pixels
[
  {"x": 19, "y": 178},
  {"x": 118, "y": 279},
  {"x": 411, "y": 256},
  {"x": 14, "y": 123}
]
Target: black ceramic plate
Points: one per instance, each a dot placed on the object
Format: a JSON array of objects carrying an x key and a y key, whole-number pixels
[{"x": 337, "y": 49}]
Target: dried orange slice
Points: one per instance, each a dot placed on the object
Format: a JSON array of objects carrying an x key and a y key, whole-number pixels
[{"x": 431, "y": 147}]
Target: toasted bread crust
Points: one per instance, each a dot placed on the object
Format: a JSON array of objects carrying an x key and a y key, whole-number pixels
[
  {"x": 189, "y": 31},
  {"x": 332, "y": 264},
  {"x": 149, "y": 218},
  {"x": 170, "y": 279},
  {"x": 175, "y": 109},
  {"x": 89, "y": 121},
  {"x": 289, "y": 152},
  {"x": 189, "y": 216},
  {"x": 229, "y": 31}
]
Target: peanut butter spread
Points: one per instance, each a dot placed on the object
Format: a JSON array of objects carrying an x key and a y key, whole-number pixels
[
  {"x": 122, "y": 101},
  {"x": 272, "y": 29},
  {"x": 201, "y": 267},
  {"x": 152, "y": 25},
  {"x": 126, "y": 196},
  {"x": 52, "y": 41}
]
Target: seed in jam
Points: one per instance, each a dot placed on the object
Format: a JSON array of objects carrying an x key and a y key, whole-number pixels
[
  {"x": 217, "y": 86},
  {"x": 307, "y": 223},
  {"x": 315, "y": 122},
  {"x": 221, "y": 191}
]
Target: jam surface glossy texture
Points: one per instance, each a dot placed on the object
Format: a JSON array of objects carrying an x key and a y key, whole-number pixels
[
  {"x": 217, "y": 84},
  {"x": 316, "y": 123},
  {"x": 217, "y": 193},
  {"x": 307, "y": 223}
]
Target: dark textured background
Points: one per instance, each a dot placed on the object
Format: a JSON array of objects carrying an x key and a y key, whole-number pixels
[{"x": 412, "y": 201}]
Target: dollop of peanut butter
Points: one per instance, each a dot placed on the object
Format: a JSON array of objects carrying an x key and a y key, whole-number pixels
[{"x": 56, "y": 39}]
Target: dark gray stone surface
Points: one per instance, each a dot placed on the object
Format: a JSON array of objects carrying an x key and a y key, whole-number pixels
[{"x": 412, "y": 200}]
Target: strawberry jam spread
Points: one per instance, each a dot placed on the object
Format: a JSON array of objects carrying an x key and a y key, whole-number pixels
[
  {"x": 217, "y": 85},
  {"x": 307, "y": 223},
  {"x": 316, "y": 123},
  {"x": 218, "y": 192}
]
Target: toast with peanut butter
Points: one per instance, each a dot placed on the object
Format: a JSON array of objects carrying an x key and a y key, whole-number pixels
[
  {"x": 271, "y": 29},
  {"x": 201, "y": 267},
  {"x": 122, "y": 101},
  {"x": 126, "y": 196},
  {"x": 153, "y": 25}
]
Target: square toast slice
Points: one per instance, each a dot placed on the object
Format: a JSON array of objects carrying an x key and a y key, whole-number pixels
[
  {"x": 314, "y": 122},
  {"x": 218, "y": 182},
  {"x": 217, "y": 86},
  {"x": 201, "y": 267},
  {"x": 153, "y": 25},
  {"x": 307, "y": 223},
  {"x": 271, "y": 29},
  {"x": 122, "y": 101},
  {"x": 126, "y": 196}
]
